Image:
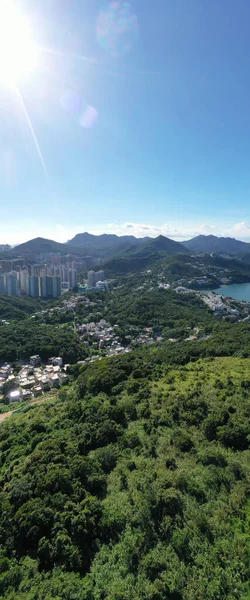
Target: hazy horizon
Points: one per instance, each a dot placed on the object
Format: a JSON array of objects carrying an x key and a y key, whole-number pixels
[{"x": 140, "y": 231}]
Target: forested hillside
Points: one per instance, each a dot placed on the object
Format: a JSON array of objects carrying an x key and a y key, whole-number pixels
[
  {"x": 25, "y": 338},
  {"x": 19, "y": 308},
  {"x": 27, "y": 333},
  {"x": 134, "y": 484}
]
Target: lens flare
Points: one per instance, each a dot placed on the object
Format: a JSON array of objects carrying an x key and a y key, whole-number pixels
[
  {"x": 117, "y": 28},
  {"x": 71, "y": 101},
  {"x": 89, "y": 117}
]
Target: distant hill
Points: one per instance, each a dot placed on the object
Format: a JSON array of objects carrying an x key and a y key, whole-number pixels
[
  {"x": 106, "y": 245},
  {"x": 131, "y": 264},
  {"x": 38, "y": 245},
  {"x": 145, "y": 256},
  {"x": 161, "y": 245},
  {"x": 104, "y": 240},
  {"x": 219, "y": 245},
  {"x": 86, "y": 245},
  {"x": 92, "y": 248}
]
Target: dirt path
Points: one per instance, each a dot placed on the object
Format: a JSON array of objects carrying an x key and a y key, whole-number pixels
[
  {"x": 40, "y": 401},
  {"x": 6, "y": 415}
]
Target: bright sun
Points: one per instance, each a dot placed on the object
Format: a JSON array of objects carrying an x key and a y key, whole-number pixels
[{"x": 18, "y": 55}]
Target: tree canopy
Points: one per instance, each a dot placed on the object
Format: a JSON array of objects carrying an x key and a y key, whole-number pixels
[{"x": 133, "y": 484}]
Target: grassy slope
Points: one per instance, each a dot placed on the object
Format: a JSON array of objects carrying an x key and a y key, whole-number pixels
[
  {"x": 207, "y": 373},
  {"x": 175, "y": 502}
]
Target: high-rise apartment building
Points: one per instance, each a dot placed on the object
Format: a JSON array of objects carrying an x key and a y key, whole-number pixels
[
  {"x": 68, "y": 259},
  {"x": 46, "y": 286},
  {"x": 65, "y": 274},
  {"x": 99, "y": 276},
  {"x": 43, "y": 286},
  {"x": 34, "y": 286},
  {"x": 55, "y": 259},
  {"x": 11, "y": 283},
  {"x": 80, "y": 265},
  {"x": 2, "y": 284},
  {"x": 72, "y": 278},
  {"x": 38, "y": 270},
  {"x": 6, "y": 265},
  {"x": 57, "y": 286},
  {"x": 24, "y": 281},
  {"x": 91, "y": 278},
  {"x": 17, "y": 262}
]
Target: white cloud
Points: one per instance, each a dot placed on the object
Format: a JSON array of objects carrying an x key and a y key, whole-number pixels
[
  {"x": 23, "y": 231},
  {"x": 180, "y": 232},
  {"x": 240, "y": 230},
  {"x": 175, "y": 232}
]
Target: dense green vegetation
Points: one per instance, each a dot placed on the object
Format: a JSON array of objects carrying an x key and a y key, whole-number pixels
[
  {"x": 238, "y": 268},
  {"x": 159, "y": 308},
  {"x": 181, "y": 265},
  {"x": 25, "y": 338},
  {"x": 134, "y": 485},
  {"x": 125, "y": 265},
  {"x": 27, "y": 334},
  {"x": 18, "y": 308}
]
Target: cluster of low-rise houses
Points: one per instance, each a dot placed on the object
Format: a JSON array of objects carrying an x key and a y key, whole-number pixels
[
  {"x": 33, "y": 378},
  {"x": 67, "y": 305},
  {"x": 100, "y": 336},
  {"x": 96, "y": 335},
  {"x": 219, "y": 305}
]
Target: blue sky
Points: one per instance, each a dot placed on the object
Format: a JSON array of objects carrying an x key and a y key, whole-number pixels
[{"x": 154, "y": 139}]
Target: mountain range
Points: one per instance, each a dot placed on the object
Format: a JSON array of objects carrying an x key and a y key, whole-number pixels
[
  {"x": 219, "y": 245},
  {"x": 160, "y": 245},
  {"x": 103, "y": 246},
  {"x": 108, "y": 246}
]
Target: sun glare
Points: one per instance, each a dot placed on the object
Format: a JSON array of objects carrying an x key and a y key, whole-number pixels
[{"x": 18, "y": 55}]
